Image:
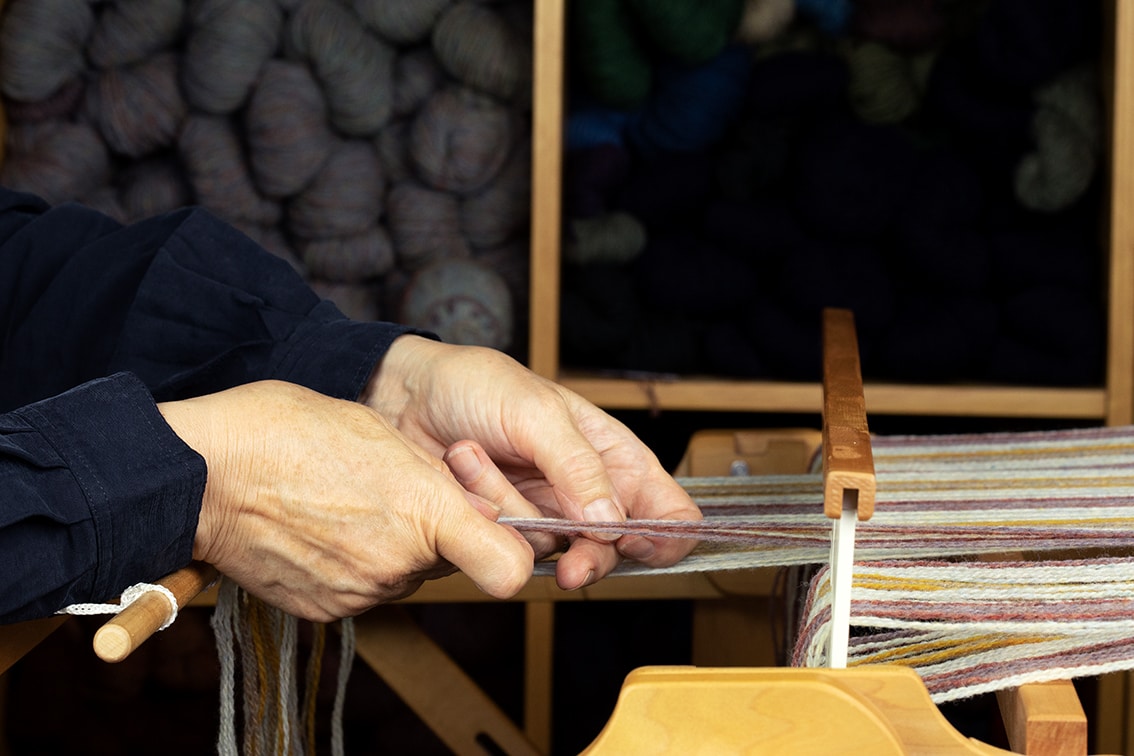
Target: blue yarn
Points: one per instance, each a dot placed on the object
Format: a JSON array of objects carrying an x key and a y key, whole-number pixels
[
  {"x": 691, "y": 106},
  {"x": 595, "y": 126},
  {"x": 831, "y": 16}
]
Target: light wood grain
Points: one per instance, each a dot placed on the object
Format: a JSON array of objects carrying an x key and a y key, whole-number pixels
[
  {"x": 1045, "y": 718},
  {"x": 848, "y": 462},
  {"x": 120, "y": 636},
  {"x": 547, "y": 172},
  {"x": 438, "y": 691},
  {"x": 723, "y": 395},
  {"x": 879, "y": 711}
]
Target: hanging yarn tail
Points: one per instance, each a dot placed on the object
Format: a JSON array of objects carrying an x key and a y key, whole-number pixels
[{"x": 257, "y": 646}]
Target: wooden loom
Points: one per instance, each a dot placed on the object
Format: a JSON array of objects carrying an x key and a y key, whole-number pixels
[{"x": 677, "y": 710}]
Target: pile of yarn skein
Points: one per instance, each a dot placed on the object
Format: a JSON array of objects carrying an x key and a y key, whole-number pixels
[
  {"x": 382, "y": 146},
  {"x": 734, "y": 166}
]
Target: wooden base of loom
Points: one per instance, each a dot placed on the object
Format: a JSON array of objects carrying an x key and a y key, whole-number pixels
[{"x": 865, "y": 710}]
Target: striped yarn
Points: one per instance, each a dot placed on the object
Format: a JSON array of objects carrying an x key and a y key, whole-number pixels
[
  {"x": 966, "y": 627},
  {"x": 976, "y": 627},
  {"x": 937, "y": 496}
]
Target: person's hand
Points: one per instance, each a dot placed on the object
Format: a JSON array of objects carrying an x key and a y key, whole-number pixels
[
  {"x": 322, "y": 508},
  {"x": 541, "y": 450}
]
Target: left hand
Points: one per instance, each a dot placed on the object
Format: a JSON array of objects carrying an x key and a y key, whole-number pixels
[{"x": 533, "y": 448}]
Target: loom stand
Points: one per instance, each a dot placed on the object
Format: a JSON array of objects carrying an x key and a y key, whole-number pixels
[
  {"x": 880, "y": 711},
  {"x": 416, "y": 668}
]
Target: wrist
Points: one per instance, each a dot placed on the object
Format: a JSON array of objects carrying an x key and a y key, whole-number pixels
[
  {"x": 392, "y": 382},
  {"x": 186, "y": 422}
]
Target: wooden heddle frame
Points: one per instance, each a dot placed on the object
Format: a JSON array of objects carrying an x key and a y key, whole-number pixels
[{"x": 670, "y": 710}]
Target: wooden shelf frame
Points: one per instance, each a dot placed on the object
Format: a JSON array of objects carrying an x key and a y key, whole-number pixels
[{"x": 1112, "y": 404}]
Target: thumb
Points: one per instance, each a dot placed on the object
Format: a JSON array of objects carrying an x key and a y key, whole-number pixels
[{"x": 495, "y": 557}]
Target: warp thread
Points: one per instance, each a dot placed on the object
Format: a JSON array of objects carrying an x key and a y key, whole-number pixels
[
  {"x": 967, "y": 627},
  {"x": 972, "y": 628},
  {"x": 258, "y": 645}
]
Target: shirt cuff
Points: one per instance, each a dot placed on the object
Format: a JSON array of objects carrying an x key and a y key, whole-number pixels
[
  {"x": 335, "y": 356},
  {"x": 142, "y": 483}
]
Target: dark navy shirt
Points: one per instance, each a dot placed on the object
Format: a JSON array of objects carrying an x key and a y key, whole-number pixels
[{"x": 97, "y": 322}]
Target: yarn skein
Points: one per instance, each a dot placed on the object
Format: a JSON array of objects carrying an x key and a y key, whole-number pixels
[
  {"x": 462, "y": 301},
  {"x": 403, "y": 22},
  {"x": 615, "y": 237},
  {"x": 352, "y": 258},
  {"x": 460, "y": 139},
  {"x": 61, "y": 104},
  {"x": 41, "y": 46},
  {"x": 1067, "y": 128},
  {"x": 764, "y": 20},
  {"x": 58, "y": 160},
  {"x": 610, "y": 54},
  {"x": 289, "y": 137},
  {"x": 229, "y": 42},
  {"x": 354, "y": 66},
  {"x": 129, "y": 31},
  {"x": 478, "y": 47},
  {"x": 688, "y": 32},
  {"x": 138, "y": 108},
  {"x": 424, "y": 224},
  {"x": 344, "y": 197},
  {"x": 214, "y": 161},
  {"x": 885, "y": 87},
  {"x": 499, "y": 211}
]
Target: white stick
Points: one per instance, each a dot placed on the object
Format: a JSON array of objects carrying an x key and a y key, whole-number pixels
[{"x": 842, "y": 570}]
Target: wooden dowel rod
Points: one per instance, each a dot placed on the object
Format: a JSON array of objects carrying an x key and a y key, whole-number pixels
[
  {"x": 848, "y": 462},
  {"x": 120, "y": 636}
]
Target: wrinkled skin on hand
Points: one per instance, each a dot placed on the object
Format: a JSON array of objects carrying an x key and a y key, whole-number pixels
[
  {"x": 322, "y": 508},
  {"x": 531, "y": 447}
]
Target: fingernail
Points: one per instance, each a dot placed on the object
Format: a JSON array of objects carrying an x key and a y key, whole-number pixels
[
  {"x": 636, "y": 547},
  {"x": 590, "y": 576},
  {"x": 602, "y": 510},
  {"x": 464, "y": 463}
]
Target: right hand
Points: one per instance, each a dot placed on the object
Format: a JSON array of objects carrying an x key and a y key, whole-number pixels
[{"x": 322, "y": 508}]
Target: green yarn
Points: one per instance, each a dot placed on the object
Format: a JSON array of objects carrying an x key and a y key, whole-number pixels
[
  {"x": 885, "y": 86},
  {"x": 692, "y": 32},
  {"x": 614, "y": 237},
  {"x": 616, "y": 43},
  {"x": 609, "y": 53}
]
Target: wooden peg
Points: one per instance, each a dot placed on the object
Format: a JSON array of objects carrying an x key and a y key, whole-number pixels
[{"x": 120, "y": 636}]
